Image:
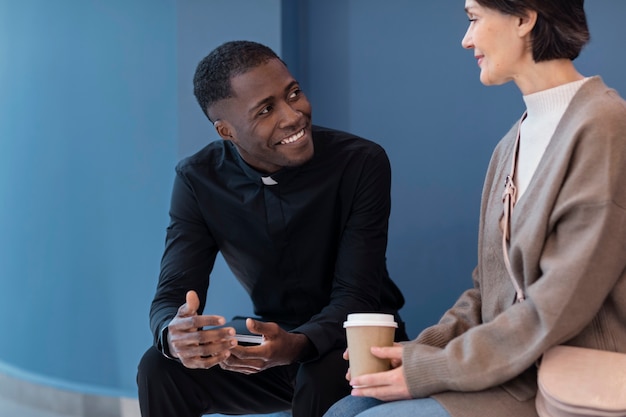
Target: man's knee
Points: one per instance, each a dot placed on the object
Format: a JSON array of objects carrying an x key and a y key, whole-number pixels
[
  {"x": 152, "y": 361},
  {"x": 155, "y": 370},
  {"x": 320, "y": 384},
  {"x": 330, "y": 368}
]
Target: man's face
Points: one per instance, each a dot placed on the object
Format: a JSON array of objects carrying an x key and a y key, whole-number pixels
[{"x": 268, "y": 118}]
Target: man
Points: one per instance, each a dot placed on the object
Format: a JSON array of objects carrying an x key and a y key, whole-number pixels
[{"x": 300, "y": 214}]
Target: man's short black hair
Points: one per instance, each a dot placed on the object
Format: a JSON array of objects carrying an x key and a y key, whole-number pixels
[{"x": 211, "y": 81}]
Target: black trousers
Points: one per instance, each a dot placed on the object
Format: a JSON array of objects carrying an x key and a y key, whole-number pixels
[{"x": 168, "y": 389}]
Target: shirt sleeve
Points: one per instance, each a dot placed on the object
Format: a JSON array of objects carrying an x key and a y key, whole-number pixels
[
  {"x": 188, "y": 258},
  {"x": 360, "y": 269}
]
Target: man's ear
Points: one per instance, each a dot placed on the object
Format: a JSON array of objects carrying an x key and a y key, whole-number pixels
[
  {"x": 527, "y": 22},
  {"x": 223, "y": 129}
]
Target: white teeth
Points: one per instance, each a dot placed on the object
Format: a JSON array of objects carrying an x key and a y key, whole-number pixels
[{"x": 292, "y": 139}]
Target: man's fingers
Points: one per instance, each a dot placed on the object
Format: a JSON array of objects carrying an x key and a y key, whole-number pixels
[
  {"x": 267, "y": 329},
  {"x": 204, "y": 355},
  {"x": 242, "y": 365},
  {"x": 209, "y": 321},
  {"x": 205, "y": 362},
  {"x": 190, "y": 309},
  {"x": 206, "y": 351},
  {"x": 191, "y": 306},
  {"x": 249, "y": 353},
  {"x": 195, "y": 323},
  {"x": 205, "y": 342},
  {"x": 240, "y": 369},
  {"x": 255, "y": 327}
]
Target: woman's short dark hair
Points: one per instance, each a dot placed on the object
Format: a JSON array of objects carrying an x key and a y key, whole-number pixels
[
  {"x": 561, "y": 30},
  {"x": 211, "y": 82}
]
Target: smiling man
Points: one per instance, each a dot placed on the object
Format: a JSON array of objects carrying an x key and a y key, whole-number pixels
[{"x": 300, "y": 214}]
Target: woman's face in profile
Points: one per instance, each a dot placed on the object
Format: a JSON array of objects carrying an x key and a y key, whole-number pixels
[{"x": 496, "y": 40}]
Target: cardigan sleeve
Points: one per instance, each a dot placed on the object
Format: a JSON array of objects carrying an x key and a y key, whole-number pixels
[{"x": 464, "y": 315}]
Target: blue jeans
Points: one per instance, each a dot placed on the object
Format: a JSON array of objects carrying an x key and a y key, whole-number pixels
[{"x": 370, "y": 407}]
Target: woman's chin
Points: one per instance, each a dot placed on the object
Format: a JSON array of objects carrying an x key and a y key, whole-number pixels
[{"x": 489, "y": 81}]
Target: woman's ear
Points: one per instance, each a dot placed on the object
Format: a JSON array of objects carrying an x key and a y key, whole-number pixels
[
  {"x": 527, "y": 22},
  {"x": 223, "y": 129}
]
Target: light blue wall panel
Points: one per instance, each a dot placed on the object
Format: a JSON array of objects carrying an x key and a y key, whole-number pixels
[
  {"x": 87, "y": 136},
  {"x": 96, "y": 109}
]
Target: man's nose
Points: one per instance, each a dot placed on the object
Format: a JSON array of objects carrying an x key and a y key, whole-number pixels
[{"x": 289, "y": 115}]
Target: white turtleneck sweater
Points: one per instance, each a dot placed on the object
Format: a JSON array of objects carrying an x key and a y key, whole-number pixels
[{"x": 544, "y": 111}]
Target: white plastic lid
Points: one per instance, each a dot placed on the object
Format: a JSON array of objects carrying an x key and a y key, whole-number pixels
[{"x": 370, "y": 319}]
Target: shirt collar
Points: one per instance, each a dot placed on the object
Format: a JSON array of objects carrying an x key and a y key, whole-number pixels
[
  {"x": 259, "y": 178},
  {"x": 269, "y": 180}
]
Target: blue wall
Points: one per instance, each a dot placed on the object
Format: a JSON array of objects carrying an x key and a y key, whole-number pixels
[
  {"x": 88, "y": 135},
  {"x": 96, "y": 107}
]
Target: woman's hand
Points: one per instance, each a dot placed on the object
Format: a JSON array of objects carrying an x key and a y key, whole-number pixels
[{"x": 385, "y": 386}]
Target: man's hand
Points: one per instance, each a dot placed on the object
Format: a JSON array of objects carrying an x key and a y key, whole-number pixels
[
  {"x": 278, "y": 348},
  {"x": 197, "y": 348}
]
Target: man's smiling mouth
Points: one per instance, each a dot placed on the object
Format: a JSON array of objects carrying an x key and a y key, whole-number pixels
[{"x": 292, "y": 138}]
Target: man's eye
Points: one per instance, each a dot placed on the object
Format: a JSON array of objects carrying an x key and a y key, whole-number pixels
[
  {"x": 265, "y": 110},
  {"x": 295, "y": 93}
]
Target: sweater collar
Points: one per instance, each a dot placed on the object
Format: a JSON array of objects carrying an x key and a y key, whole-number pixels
[{"x": 553, "y": 99}]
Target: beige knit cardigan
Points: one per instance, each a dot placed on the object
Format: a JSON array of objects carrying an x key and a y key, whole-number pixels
[{"x": 568, "y": 249}]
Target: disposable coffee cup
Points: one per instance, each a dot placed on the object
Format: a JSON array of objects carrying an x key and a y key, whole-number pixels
[{"x": 365, "y": 330}]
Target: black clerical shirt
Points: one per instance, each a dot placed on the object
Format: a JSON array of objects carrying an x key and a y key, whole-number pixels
[{"x": 307, "y": 243}]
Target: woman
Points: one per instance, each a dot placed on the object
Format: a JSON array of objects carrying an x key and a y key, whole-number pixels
[{"x": 566, "y": 238}]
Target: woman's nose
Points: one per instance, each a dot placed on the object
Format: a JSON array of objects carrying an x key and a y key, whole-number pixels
[{"x": 466, "y": 42}]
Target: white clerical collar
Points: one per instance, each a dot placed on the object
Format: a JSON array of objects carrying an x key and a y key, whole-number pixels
[{"x": 268, "y": 180}]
